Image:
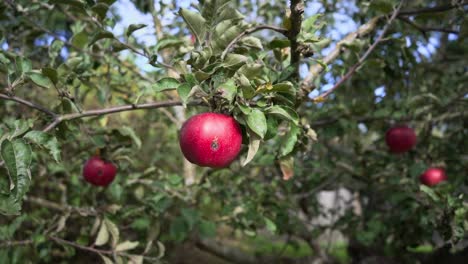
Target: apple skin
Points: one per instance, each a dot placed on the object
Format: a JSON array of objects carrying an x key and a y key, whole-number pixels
[
  {"x": 99, "y": 172},
  {"x": 433, "y": 176},
  {"x": 400, "y": 139},
  {"x": 211, "y": 139}
]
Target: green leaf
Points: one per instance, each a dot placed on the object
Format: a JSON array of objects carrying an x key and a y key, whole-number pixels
[
  {"x": 308, "y": 25},
  {"x": 195, "y": 22},
  {"x": 134, "y": 27},
  {"x": 233, "y": 60},
  {"x": 45, "y": 140},
  {"x": 184, "y": 91},
  {"x": 166, "y": 83},
  {"x": 228, "y": 90},
  {"x": 254, "y": 144},
  {"x": 277, "y": 43},
  {"x": 19, "y": 127},
  {"x": 50, "y": 73},
  {"x": 256, "y": 121},
  {"x": 168, "y": 42},
  {"x": 290, "y": 140},
  {"x": 429, "y": 192},
  {"x": 40, "y": 80},
  {"x": 250, "y": 71},
  {"x": 225, "y": 32},
  {"x": 4, "y": 60},
  {"x": 55, "y": 48},
  {"x": 272, "y": 128},
  {"x": 7, "y": 231},
  {"x": 207, "y": 228},
  {"x": 270, "y": 225},
  {"x": 191, "y": 217},
  {"x": 100, "y": 9},
  {"x": 101, "y": 35},
  {"x": 129, "y": 132},
  {"x": 4, "y": 183},
  {"x": 252, "y": 42},
  {"x": 178, "y": 229},
  {"x": 213, "y": 9},
  {"x": 244, "y": 108},
  {"x": 17, "y": 156},
  {"x": 80, "y": 40},
  {"x": 23, "y": 65},
  {"x": 9, "y": 205},
  {"x": 283, "y": 112},
  {"x": 284, "y": 87},
  {"x": 287, "y": 73}
]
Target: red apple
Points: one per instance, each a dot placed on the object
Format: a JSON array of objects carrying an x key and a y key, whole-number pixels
[
  {"x": 99, "y": 172},
  {"x": 400, "y": 139},
  {"x": 211, "y": 140},
  {"x": 433, "y": 176}
]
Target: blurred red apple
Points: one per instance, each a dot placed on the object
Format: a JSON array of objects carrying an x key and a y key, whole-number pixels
[
  {"x": 400, "y": 139},
  {"x": 99, "y": 172},
  {"x": 433, "y": 176}
]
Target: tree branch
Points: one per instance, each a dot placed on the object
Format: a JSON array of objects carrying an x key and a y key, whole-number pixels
[
  {"x": 27, "y": 103},
  {"x": 95, "y": 250},
  {"x": 115, "y": 109},
  {"x": 250, "y": 31},
  {"x": 426, "y": 29},
  {"x": 297, "y": 9},
  {"x": 61, "y": 208},
  {"x": 363, "y": 58},
  {"x": 436, "y": 9},
  {"x": 314, "y": 71}
]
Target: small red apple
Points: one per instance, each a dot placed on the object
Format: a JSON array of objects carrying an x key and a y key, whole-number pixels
[
  {"x": 193, "y": 39},
  {"x": 99, "y": 172},
  {"x": 211, "y": 140},
  {"x": 433, "y": 176},
  {"x": 400, "y": 139}
]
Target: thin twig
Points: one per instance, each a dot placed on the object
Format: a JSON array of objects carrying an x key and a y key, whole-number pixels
[
  {"x": 27, "y": 103},
  {"x": 427, "y": 29},
  {"x": 250, "y": 31},
  {"x": 363, "y": 58},
  {"x": 16, "y": 243},
  {"x": 61, "y": 208}
]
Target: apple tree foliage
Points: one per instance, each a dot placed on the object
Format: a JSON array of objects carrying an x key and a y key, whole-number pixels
[{"x": 70, "y": 88}]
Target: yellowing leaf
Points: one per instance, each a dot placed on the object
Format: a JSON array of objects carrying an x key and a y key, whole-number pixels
[
  {"x": 319, "y": 99},
  {"x": 126, "y": 245},
  {"x": 113, "y": 230},
  {"x": 287, "y": 167},
  {"x": 103, "y": 235}
]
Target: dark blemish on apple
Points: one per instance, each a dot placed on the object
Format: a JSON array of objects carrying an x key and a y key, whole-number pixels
[
  {"x": 99, "y": 172},
  {"x": 215, "y": 144}
]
